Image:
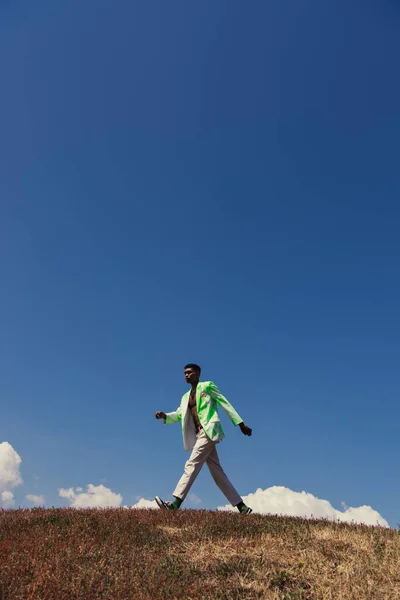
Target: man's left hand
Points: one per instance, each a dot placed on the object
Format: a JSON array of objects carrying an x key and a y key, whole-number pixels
[{"x": 245, "y": 430}]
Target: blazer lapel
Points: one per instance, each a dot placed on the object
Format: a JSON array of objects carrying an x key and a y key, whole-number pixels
[
  {"x": 198, "y": 392},
  {"x": 185, "y": 405}
]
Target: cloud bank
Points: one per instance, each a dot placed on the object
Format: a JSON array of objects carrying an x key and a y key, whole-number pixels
[
  {"x": 194, "y": 499},
  {"x": 274, "y": 500},
  {"x": 95, "y": 496},
  {"x": 7, "y": 499},
  {"x": 283, "y": 501},
  {"x": 10, "y": 476},
  {"x": 36, "y": 500},
  {"x": 144, "y": 503}
]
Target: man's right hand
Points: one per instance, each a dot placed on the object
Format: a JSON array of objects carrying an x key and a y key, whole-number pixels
[{"x": 160, "y": 415}]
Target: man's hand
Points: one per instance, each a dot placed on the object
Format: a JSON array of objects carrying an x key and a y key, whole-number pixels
[
  {"x": 160, "y": 415},
  {"x": 245, "y": 430}
]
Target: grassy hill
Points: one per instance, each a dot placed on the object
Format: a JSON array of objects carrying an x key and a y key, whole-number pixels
[{"x": 120, "y": 554}]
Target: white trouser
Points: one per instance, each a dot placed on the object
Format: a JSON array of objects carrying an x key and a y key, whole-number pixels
[{"x": 203, "y": 451}]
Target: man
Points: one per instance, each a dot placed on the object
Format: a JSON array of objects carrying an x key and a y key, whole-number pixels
[{"x": 202, "y": 430}]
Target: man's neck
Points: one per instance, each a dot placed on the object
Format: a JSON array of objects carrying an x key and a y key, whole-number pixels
[{"x": 194, "y": 386}]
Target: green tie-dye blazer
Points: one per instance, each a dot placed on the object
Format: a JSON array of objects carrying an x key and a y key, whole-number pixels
[{"x": 207, "y": 399}]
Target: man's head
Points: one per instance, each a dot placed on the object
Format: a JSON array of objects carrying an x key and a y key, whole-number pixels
[{"x": 192, "y": 373}]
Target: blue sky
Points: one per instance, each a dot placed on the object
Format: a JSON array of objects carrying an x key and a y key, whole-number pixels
[{"x": 207, "y": 182}]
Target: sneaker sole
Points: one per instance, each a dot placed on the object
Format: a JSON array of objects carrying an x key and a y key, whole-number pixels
[{"x": 160, "y": 503}]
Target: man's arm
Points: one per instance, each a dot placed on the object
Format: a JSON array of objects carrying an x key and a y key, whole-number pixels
[
  {"x": 228, "y": 408},
  {"x": 172, "y": 417}
]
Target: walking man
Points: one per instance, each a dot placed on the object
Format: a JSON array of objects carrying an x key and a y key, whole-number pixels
[{"x": 202, "y": 430}]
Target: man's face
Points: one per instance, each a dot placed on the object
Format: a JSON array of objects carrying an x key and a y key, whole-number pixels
[{"x": 191, "y": 375}]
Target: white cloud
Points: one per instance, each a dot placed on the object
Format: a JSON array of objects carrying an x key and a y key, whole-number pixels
[
  {"x": 10, "y": 476},
  {"x": 9, "y": 467},
  {"x": 7, "y": 499},
  {"x": 363, "y": 514},
  {"x": 36, "y": 500},
  {"x": 95, "y": 496},
  {"x": 194, "y": 499},
  {"x": 143, "y": 503},
  {"x": 283, "y": 501}
]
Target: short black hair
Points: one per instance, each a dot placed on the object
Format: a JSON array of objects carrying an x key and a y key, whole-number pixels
[{"x": 194, "y": 367}]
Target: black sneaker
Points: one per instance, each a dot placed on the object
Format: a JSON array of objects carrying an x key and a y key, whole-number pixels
[{"x": 164, "y": 505}]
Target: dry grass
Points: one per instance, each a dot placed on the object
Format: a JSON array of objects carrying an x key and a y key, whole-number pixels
[{"x": 120, "y": 554}]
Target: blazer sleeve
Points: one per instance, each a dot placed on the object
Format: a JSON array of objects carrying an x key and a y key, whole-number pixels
[
  {"x": 214, "y": 392},
  {"x": 173, "y": 417}
]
